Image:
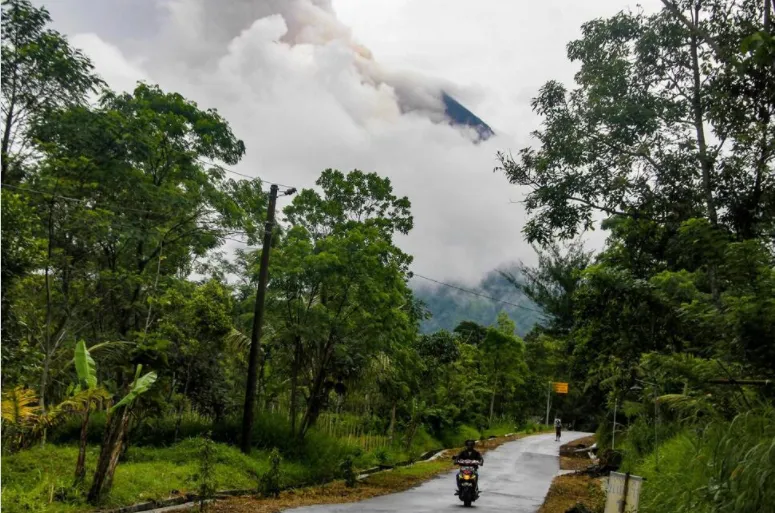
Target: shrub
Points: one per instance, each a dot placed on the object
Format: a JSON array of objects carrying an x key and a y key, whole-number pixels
[
  {"x": 205, "y": 475},
  {"x": 269, "y": 481},
  {"x": 348, "y": 472}
]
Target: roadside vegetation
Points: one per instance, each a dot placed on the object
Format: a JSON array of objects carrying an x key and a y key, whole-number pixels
[{"x": 667, "y": 133}]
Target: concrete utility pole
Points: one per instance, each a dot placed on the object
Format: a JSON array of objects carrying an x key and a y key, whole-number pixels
[
  {"x": 548, "y": 402},
  {"x": 258, "y": 321}
]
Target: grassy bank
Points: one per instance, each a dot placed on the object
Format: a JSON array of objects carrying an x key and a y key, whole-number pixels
[
  {"x": 722, "y": 467},
  {"x": 40, "y": 479}
]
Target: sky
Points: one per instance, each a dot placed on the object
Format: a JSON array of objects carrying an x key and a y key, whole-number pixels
[{"x": 346, "y": 84}]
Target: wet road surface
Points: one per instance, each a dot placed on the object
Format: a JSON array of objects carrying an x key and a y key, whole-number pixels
[{"x": 515, "y": 478}]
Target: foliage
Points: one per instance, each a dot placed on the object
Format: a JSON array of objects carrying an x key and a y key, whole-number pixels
[
  {"x": 726, "y": 466},
  {"x": 205, "y": 475},
  {"x": 631, "y": 140},
  {"x": 269, "y": 481},
  {"x": 666, "y": 137},
  {"x": 348, "y": 471},
  {"x": 41, "y": 477},
  {"x": 114, "y": 260},
  {"x": 41, "y": 72}
]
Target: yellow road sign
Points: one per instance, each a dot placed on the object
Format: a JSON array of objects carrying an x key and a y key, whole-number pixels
[{"x": 560, "y": 388}]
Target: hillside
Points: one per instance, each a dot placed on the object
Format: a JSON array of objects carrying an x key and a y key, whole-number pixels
[{"x": 449, "y": 306}]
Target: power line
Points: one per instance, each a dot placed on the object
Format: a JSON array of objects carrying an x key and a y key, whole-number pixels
[
  {"x": 85, "y": 201},
  {"x": 483, "y": 296},
  {"x": 227, "y": 170},
  {"x": 477, "y": 294},
  {"x": 120, "y": 209},
  {"x": 94, "y": 203}
]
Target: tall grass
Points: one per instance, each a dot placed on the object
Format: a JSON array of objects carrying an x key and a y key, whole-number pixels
[
  {"x": 726, "y": 467},
  {"x": 456, "y": 437}
]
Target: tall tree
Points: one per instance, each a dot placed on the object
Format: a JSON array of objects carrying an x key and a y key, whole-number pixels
[
  {"x": 41, "y": 72},
  {"x": 648, "y": 133},
  {"x": 339, "y": 283},
  {"x": 127, "y": 204}
]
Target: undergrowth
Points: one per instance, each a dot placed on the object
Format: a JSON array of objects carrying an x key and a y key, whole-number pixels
[{"x": 726, "y": 467}]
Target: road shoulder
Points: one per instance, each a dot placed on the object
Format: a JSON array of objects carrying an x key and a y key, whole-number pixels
[{"x": 572, "y": 489}]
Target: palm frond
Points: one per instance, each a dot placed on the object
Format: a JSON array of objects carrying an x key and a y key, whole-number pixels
[
  {"x": 20, "y": 406},
  {"x": 237, "y": 340},
  {"x": 84, "y": 400},
  {"x": 687, "y": 405}
]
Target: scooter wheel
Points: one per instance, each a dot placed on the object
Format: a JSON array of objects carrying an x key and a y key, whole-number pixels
[{"x": 466, "y": 504}]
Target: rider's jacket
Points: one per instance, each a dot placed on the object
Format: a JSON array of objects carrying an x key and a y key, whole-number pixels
[{"x": 473, "y": 454}]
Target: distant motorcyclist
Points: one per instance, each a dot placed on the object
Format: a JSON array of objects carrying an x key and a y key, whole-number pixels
[
  {"x": 557, "y": 429},
  {"x": 469, "y": 457},
  {"x": 469, "y": 453}
]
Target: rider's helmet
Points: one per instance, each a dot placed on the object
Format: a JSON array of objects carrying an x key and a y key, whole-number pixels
[{"x": 470, "y": 445}]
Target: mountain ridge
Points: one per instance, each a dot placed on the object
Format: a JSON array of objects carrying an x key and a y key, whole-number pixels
[{"x": 450, "y": 306}]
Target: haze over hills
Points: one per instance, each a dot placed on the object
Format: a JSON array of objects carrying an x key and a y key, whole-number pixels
[{"x": 450, "y": 306}]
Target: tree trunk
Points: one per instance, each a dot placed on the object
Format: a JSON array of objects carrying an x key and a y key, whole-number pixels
[
  {"x": 410, "y": 438},
  {"x": 392, "y": 427},
  {"x": 80, "y": 466},
  {"x": 294, "y": 382},
  {"x": 6, "y": 143},
  {"x": 179, "y": 418},
  {"x": 706, "y": 164},
  {"x": 316, "y": 392},
  {"x": 492, "y": 406},
  {"x": 261, "y": 399},
  {"x": 109, "y": 454},
  {"x": 43, "y": 386}
]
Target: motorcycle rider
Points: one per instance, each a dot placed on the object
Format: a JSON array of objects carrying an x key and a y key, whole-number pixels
[
  {"x": 557, "y": 429},
  {"x": 469, "y": 453}
]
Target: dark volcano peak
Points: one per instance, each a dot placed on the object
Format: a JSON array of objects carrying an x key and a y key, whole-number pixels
[{"x": 460, "y": 116}]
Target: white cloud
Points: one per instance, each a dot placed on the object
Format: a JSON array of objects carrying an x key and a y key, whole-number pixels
[
  {"x": 321, "y": 102},
  {"x": 113, "y": 67}
]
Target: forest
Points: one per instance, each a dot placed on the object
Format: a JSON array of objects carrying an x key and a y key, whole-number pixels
[{"x": 128, "y": 314}]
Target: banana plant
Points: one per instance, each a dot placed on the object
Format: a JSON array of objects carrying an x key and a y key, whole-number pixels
[
  {"x": 140, "y": 385},
  {"x": 118, "y": 421},
  {"x": 86, "y": 396}
]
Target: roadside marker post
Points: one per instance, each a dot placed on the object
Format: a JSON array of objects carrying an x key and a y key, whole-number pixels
[{"x": 623, "y": 493}]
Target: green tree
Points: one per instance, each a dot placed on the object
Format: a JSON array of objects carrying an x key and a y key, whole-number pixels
[
  {"x": 338, "y": 286},
  {"x": 41, "y": 72},
  {"x": 552, "y": 284},
  {"x": 128, "y": 205},
  {"x": 503, "y": 354},
  {"x": 634, "y": 138}
]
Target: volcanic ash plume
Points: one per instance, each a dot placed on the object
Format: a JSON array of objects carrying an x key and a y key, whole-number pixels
[{"x": 313, "y": 23}]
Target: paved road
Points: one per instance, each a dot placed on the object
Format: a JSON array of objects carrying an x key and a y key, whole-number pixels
[{"x": 515, "y": 477}]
